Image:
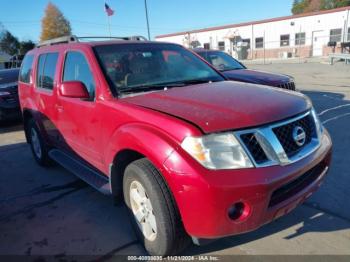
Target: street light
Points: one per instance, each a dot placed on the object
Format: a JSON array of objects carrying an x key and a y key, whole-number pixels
[{"x": 146, "y": 10}]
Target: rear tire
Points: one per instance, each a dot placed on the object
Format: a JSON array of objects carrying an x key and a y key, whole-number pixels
[
  {"x": 155, "y": 217},
  {"x": 37, "y": 144}
]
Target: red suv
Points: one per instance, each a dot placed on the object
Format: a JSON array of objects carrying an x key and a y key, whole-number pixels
[{"x": 193, "y": 156}]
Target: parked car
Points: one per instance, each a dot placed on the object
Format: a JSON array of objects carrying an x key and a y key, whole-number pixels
[
  {"x": 236, "y": 71},
  {"x": 193, "y": 156},
  {"x": 9, "y": 103}
]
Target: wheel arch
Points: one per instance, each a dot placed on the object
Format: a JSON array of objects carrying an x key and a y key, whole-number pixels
[
  {"x": 133, "y": 142},
  {"x": 120, "y": 161},
  {"x": 27, "y": 116}
]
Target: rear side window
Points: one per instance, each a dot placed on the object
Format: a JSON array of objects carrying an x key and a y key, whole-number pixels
[
  {"x": 26, "y": 69},
  {"x": 76, "y": 68},
  {"x": 46, "y": 70}
]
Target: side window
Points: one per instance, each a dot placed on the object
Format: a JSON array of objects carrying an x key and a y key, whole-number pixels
[
  {"x": 46, "y": 70},
  {"x": 76, "y": 68},
  {"x": 259, "y": 42},
  {"x": 335, "y": 35},
  {"x": 26, "y": 69},
  {"x": 284, "y": 40}
]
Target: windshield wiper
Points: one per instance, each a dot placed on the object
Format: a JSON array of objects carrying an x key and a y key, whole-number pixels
[
  {"x": 230, "y": 69},
  {"x": 145, "y": 88},
  {"x": 164, "y": 86}
]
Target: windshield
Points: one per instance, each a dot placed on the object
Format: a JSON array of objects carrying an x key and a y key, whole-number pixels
[
  {"x": 221, "y": 61},
  {"x": 144, "y": 67}
]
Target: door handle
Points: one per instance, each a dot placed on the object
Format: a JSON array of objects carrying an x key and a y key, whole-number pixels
[{"x": 59, "y": 108}]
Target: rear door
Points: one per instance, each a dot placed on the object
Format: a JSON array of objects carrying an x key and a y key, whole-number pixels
[
  {"x": 79, "y": 120},
  {"x": 44, "y": 97}
]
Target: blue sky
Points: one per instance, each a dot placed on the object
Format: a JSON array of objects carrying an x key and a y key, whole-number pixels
[{"x": 87, "y": 17}]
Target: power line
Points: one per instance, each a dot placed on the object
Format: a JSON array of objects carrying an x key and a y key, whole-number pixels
[{"x": 91, "y": 23}]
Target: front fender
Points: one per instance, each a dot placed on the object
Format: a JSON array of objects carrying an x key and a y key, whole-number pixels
[{"x": 144, "y": 139}]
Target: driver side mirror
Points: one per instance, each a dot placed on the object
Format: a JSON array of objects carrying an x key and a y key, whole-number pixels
[{"x": 74, "y": 89}]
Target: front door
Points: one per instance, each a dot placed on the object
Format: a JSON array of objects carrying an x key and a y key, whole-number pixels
[{"x": 79, "y": 121}]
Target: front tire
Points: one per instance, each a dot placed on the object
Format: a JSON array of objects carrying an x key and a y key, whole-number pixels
[
  {"x": 156, "y": 219},
  {"x": 37, "y": 144}
]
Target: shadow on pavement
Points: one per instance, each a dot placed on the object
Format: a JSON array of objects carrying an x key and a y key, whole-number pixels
[{"x": 10, "y": 126}]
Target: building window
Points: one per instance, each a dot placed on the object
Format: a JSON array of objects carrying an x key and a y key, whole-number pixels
[
  {"x": 195, "y": 44},
  {"x": 259, "y": 42},
  {"x": 221, "y": 46},
  {"x": 206, "y": 46},
  {"x": 247, "y": 40},
  {"x": 335, "y": 35},
  {"x": 300, "y": 39},
  {"x": 284, "y": 40}
]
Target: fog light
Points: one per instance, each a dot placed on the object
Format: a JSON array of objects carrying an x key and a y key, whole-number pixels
[{"x": 238, "y": 211}]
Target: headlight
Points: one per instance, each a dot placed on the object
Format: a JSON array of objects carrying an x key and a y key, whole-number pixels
[
  {"x": 217, "y": 151},
  {"x": 319, "y": 125}
]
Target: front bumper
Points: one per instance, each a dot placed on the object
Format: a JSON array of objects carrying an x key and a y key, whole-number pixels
[{"x": 205, "y": 196}]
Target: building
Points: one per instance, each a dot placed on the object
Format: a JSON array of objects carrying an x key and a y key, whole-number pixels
[
  {"x": 4, "y": 60},
  {"x": 305, "y": 35}
]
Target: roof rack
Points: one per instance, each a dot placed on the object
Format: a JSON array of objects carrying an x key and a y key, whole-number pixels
[{"x": 73, "y": 38}]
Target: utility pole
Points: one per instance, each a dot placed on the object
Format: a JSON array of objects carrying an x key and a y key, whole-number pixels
[
  {"x": 146, "y": 10},
  {"x": 264, "y": 48}
]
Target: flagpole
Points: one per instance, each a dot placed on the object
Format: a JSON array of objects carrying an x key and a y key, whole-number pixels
[
  {"x": 109, "y": 26},
  {"x": 146, "y": 10},
  {"x": 108, "y": 22}
]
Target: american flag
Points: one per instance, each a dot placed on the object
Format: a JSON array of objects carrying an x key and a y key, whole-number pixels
[{"x": 108, "y": 10}]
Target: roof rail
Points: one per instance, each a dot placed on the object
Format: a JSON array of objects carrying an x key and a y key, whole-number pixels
[
  {"x": 126, "y": 38},
  {"x": 73, "y": 38},
  {"x": 59, "y": 40}
]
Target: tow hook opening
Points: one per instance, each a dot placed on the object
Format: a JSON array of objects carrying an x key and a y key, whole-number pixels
[{"x": 238, "y": 211}]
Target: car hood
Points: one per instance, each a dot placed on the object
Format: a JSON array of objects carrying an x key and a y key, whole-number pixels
[
  {"x": 224, "y": 105},
  {"x": 257, "y": 77}
]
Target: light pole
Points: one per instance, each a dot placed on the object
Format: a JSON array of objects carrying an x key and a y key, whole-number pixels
[{"x": 146, "y": 10}]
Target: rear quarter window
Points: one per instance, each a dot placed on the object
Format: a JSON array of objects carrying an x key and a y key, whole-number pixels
[{"x": 25, "y": 74}]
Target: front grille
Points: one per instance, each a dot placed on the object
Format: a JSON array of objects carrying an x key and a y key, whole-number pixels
[
  {"x": 288, "y": 85},
  {"x": 297, "y": 185},
  {"x": 254, "y": 148},
  {"x": 285, "y": 134}
]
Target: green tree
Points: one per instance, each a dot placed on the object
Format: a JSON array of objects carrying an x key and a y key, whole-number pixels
[
  {"x": 341, "y": 3},
  {"x": 9, "y": 43},
  {"x": 313, "y": 6},
  {"x": 26, "y": 46},
  {"x": 299, "y": 6},
  {"x": 2, "y": 29},
  {"x": 54, "y": 24},
  {"x": 304, "y": 6}
]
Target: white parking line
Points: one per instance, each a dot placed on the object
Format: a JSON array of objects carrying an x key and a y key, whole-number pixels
[
  {"x": 335, "y": 118},
  {"x": 333, "y": 108},
  {"x": 334, "y": 98}
]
